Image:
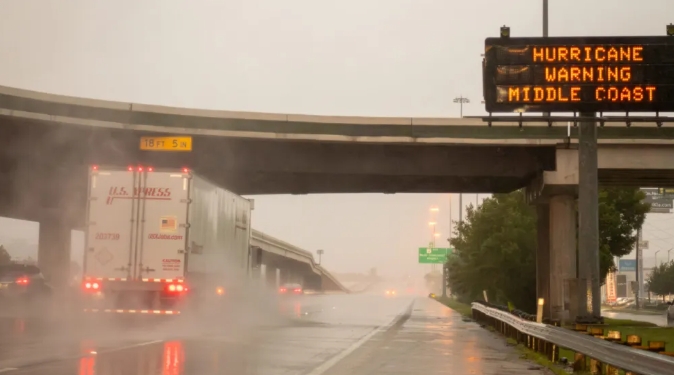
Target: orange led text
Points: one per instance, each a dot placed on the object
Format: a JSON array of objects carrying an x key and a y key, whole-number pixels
[{"x": 587, "y": 54}]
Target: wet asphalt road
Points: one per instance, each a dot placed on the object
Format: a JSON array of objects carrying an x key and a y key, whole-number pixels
[{"x": 292, "y": 337}]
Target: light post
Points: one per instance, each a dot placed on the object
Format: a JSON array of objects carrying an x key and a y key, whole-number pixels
[
  {"x": 461, "y": 101},
  {"x": 656, "y": 258},
  {"x": 320, "y": 254}
]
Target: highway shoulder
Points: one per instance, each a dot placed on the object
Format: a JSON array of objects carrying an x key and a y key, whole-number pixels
[{"x": 435, "y": 340}]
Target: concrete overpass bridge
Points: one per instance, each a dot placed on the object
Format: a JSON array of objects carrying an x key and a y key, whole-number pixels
[
  {"x": 48, "y": 141},
  {"x": 285, "y": 263}
]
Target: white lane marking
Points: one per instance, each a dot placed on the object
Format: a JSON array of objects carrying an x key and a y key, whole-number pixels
[
  {"x": 8, "y": 369},
  {"x": 325, "y": 366}
]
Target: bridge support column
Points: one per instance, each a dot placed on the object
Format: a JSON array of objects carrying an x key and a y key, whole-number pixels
[
  {"x": 562, "y": 255},
  {"x": 543, "y": 257},
  {"x": 53, "y": 255},
  {"x": 270, "y": 276}
]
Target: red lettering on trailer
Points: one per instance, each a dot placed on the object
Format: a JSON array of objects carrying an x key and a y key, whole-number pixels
[
  {"x": 148, "y": 193},
  {"x": 107, "y": 236},
  {"x": 170, "y": 264},
  {"x": 158, "y": 236}
]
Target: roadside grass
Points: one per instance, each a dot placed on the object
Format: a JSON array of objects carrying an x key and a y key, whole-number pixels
[
  {"x": 647, "y": 331},
  {"x": 461, "y": 308}
]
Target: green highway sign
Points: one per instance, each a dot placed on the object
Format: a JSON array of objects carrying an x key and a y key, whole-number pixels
[{"x": 436, "y": 255}]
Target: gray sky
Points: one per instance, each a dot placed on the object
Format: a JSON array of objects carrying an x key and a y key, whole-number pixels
[{"x": 348, "y": 57}]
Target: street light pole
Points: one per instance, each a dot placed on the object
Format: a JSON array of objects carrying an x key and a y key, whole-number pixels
[
  {"x": 461, "y": 101},
  {"x": 656, "y": 258}
]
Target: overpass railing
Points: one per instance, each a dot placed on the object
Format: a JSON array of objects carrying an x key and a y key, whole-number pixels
[{"x": 605, "y": 357}]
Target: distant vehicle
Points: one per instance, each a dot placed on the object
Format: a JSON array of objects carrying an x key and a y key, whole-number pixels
[
  {"x": 23, "y": 285},
  {"x": 291, "y": 289},
  {"x": 391, "y": 292},
  {"x": 162, "y": 241}
]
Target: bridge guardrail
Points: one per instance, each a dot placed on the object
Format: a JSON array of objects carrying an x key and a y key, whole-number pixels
[{"x": 605, "y": 357}]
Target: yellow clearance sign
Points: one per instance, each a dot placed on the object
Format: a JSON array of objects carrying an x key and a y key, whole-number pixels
[{"x": 166, "y": 143}]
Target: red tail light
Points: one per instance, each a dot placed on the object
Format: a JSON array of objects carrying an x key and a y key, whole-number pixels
[
  {"x": 298, "y": 290},
  {"x": 176, "y": 288},
  {"x": 22, "y": 281},
  {"x": 283, "y": 290},
  {"x": 92, "y": 286}
]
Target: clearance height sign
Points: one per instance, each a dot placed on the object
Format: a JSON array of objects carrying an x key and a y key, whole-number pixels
[{"x": 592, "y": 74}]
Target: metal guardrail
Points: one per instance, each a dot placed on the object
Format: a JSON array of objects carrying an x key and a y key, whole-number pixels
[{"x": 605, "y": 357}]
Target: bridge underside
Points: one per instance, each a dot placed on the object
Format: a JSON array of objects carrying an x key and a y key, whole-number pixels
[{"x": 262, "y": 166}]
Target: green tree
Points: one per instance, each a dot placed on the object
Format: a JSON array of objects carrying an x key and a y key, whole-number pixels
[
  {"x": 496, "y": 244},
  {"x": 622, "y": 212},
  {"x": 661, "y": 280},
  {"x": 4, "y": 256},
  {"x": 495, "y": 251}
]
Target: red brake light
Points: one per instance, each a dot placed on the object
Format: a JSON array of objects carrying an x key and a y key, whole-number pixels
[
  {"x": 22, "y": 280},
  {"x": 297, "y": 290},
  {"x": 176, "y": 288},
  {"x": 92, "y": 286},
  {"x": 282, "y": 290}
]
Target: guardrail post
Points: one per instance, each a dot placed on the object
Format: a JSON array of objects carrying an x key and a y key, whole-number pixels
[
  {"x": 595, "y": 367},
  {"x": 579, "y": 362}
]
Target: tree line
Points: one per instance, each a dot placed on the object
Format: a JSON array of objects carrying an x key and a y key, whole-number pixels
[
  {"x": 661, "y": 280},
  {"x": 495, "y": 245}
]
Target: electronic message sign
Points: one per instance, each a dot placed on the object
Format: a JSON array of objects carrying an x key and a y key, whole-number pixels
[{"x": 585, "y": 74}]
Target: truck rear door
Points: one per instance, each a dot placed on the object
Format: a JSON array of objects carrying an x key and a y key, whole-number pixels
[
  {"x": 164, "y": 199},
  {"x": 111, "y": 224}
]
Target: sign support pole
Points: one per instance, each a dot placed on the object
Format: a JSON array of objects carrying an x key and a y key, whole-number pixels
[
  {"x": 588, "y": 210},
  {"x": 444, "y": 281}
]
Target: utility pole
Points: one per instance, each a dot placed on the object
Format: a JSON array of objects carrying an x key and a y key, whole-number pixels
[
  {"x": 640, "y": 270},
  {"x": 460, "y": 208},
  {"x": 461, "y": 100},
  {"x": 320, "y": 255}
]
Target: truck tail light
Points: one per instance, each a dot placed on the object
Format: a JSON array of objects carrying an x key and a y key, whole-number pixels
[
  {"x": 176, "y": 288},
  {"x": 91, "y": 286},
  {"x": 22, "y": 280}
]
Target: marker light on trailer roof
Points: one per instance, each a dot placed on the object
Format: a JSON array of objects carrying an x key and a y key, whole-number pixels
[
  {"x": 94, "y": 167},
  {"x": 185, "y": 170},
  {"x": 150, "y": 169},
  {"x": 130, "y": 169}
]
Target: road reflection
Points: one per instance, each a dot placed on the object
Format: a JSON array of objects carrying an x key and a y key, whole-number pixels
[{"x": 123, "y": 345}]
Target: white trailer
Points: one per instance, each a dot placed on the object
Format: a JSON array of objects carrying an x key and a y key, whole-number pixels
[{"x": 158, "y": 241}]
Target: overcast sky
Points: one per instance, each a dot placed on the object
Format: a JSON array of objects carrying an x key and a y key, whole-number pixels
[{"x": 348, "y": 57}]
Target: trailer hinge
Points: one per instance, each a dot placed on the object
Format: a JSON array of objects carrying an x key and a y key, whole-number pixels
[
  {"x": 147, "y": 269},
  {"x": 188, "y": 201},
  {"x": 181, "y": 251}
]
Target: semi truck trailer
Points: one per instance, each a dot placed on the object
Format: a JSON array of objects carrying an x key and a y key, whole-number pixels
[{"x": 162, "y": 241}]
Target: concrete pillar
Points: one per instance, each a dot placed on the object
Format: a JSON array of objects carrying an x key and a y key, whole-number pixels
[
  {"x": 543, "y": 257},
  {"x": 53, "y": 256},
  {"x": 562, "y": 254},
  {"x": 270, "y": 276}
]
